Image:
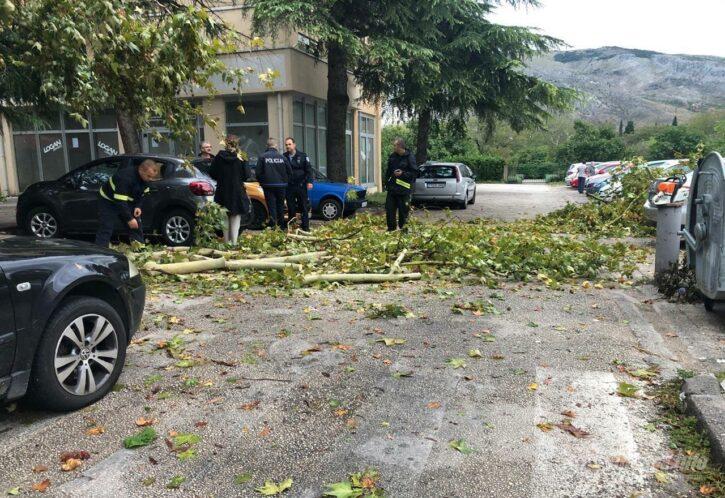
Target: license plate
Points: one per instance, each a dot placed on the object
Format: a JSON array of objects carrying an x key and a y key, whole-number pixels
[
  {"x": 435, "y": 185},
  {"x": 364, "y": 203}
]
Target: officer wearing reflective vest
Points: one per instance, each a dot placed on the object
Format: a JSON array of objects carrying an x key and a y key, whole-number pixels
[
  {"x": 400, "y": 175},
  {"x": 120, "y": 198}
]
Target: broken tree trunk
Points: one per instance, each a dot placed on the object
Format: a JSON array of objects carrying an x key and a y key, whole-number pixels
[
  {"x": 185, "y": 268},
  {"x": 360, "y": 277},
  {"x": 396, "y": 265},
  {"x": 257, "y": 264}
]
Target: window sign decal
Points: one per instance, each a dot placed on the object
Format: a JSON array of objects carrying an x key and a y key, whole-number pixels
[
  {"x": 107, "y": 148},
  {"x": 52, "y": 147}
]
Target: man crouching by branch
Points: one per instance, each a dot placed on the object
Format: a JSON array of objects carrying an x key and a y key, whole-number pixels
[{"x": 120, "y": 197}]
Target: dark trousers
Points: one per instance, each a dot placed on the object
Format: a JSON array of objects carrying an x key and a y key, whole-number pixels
[
  {"x": 275, "y": 197},
  {"x": 298, "y": 202},
  {"x": 108, "y": 213},
  {"x": 582, "y": 181},
  {"x": 397, "y": 206}
]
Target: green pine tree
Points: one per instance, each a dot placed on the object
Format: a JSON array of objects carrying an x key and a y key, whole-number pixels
[
  {"x": 674, "y": 121},
  {"x": 629, "y": 129}
]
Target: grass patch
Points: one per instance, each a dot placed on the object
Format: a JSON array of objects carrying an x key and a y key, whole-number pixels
[{"x": 691, "y": 446}]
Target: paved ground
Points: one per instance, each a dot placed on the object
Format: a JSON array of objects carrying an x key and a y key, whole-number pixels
[{"x": 299, "y": 387}]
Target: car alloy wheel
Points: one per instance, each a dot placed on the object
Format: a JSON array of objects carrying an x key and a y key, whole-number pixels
[
  {"x": 330, "y": 210},
  {"x": 85, "y": 355},
  {"x": 44, "y": 225},
  {"x": 177, "y": 229}
]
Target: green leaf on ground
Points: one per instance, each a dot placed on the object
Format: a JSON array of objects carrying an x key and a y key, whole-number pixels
[
  {"x": 176, "y": 482},
  {"x": 14, "y": 491},
  {"x": 186, "y": 455},
  {"x": 342, "y": 490},
  {"x": 270, "y": 488},
  {"x": 461, "y": 445},
  {"x": 532, "y": 324},
  {"x": 242, "y": 478},
  {"x": 627, "y": 390},
  {"x": 143, "y": 438},
  {"x": 475, "y": 353},
  {"x": 186, "y": 438},
  {"x": 456, "y": 363},
  {"x": 404, "y": 373}
]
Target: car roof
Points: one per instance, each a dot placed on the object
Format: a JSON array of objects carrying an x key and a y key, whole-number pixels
[{"x": 442, "y": 164}]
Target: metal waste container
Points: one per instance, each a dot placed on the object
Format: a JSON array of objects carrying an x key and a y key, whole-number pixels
[{"x": 705, "y": 229}]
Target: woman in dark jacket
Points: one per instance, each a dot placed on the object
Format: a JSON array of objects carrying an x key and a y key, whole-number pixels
[{"x": 230, "y": 172}]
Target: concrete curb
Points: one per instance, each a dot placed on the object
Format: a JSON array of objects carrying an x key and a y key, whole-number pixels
[{"x": 704, "y": 400}]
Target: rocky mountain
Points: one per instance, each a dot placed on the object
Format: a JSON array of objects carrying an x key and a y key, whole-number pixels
[{"x": 644, "y": 86}]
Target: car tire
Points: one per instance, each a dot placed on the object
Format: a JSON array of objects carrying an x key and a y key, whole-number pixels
[
  {"x": 330, "y": 209},
  {"x": 42, "y": 222},
  {"x": 259, "y": 216},
  {"x": 473, "y": 199},
  {"x": 177, "y": 228},
  {"x": 709, "y": 304},
  {"x": 464, "y": 203},
  {"x": 57, "y": 347}
]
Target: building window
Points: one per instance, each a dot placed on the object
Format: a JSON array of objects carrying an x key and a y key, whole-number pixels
[
  {"x": 367, "y": 149},
  {"x": 309, "y": 129},
  {"x": 250, "y": 124},
  {"x": 58, "y": 144}
]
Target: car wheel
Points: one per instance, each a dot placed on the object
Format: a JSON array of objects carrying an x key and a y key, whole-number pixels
[
  {"x": 473, "y": 199},
  {"x": 259, "y": 216},
  {"x": 177, "y": 228},
  {"x": 330, "y": 209},
  {"x": 464, "y": 203},
  {"x": 80, "y": 355},
  {"x": 709, "y": 303},
  {"x": 42, "y": 222}
]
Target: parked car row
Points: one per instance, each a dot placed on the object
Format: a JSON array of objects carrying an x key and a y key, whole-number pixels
[{"x": 69, "y": 205}]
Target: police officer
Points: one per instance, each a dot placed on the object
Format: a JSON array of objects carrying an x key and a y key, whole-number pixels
[
  {"x": 120, "y": 197},
  {"x": 300, "y": 182},
  {"x": 274, "y": 173},
  {"x": 401, "y": 174}
]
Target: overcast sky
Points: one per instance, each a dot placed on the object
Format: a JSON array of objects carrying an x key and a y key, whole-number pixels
[{"x": 669, "y": 26}]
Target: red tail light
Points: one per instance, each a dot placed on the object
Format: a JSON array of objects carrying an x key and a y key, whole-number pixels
[
  {"x": 201, "y": 188},
  {"x": 600, "y": 171}
]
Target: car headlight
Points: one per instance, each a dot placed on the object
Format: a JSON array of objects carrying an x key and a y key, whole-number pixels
[{"x": 132, "y": 269}]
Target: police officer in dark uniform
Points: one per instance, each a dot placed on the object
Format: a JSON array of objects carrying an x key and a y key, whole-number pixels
[
  {"x": 273, "y": 173},
  {"x": 300, "y": 182},
  {"x": 120, "y": 197},
  {"x": 400, "y": 175}
]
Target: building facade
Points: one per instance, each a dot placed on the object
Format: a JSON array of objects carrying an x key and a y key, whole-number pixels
[{"x": 295, "y": 106}]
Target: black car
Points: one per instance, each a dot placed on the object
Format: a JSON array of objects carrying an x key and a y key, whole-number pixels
[
  {"x": 68, "y": 310},
  {"x": 69, "y": 205}
]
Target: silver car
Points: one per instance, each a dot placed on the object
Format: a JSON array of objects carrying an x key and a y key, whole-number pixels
[{"x": 450, "y": 183}]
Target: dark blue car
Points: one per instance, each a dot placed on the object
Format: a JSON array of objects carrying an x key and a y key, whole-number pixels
[{"x": 330, "y": 200}]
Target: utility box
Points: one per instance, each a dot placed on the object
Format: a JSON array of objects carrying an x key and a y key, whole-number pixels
[{"x": 705, "y": 229}]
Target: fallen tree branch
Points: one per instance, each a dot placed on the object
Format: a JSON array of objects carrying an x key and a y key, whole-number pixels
[
  {"x": 396, "y": 265},
  {"x": 360, "y": 277},
  {"x": 257, "y": 264},
  {"x": 186, "y": 268}
]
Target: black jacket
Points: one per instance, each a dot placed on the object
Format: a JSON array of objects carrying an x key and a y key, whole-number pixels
[
  {"x": 402, "y": 184},
  {"x": 126, "y": 189},
  {"x": 301, "y": 169},
  {"x": 230, "y": 173},
  {"x": 273, "y": 170}
]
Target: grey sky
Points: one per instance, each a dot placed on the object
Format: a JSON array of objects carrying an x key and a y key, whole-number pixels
[{"x": 669, "y": 26}]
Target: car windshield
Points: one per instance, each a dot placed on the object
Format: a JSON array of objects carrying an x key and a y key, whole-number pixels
[
  {"x": 442, "y": 172},
  {"x": 319, "y": 175}
]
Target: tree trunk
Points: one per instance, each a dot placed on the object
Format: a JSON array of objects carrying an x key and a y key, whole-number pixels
[
  {"x": 130, "y": 136},
  {"x": 337, "y": 102},
  {"x": 423, "y": 138}
]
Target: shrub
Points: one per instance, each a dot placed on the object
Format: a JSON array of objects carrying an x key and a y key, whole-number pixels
[
  {"x": 515, "y": 179},
  {"x": 487, "y": 168},
  {"x": 554, "y": 177}
]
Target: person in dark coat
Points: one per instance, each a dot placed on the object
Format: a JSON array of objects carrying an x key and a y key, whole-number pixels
[
  {"x": 121, "y": 197},
  {"x": 300, "y": 182},
  {"x": 230, "y": 172},
  {"x": 274, "y": 173},
  {"x": 400, "y": 175}
]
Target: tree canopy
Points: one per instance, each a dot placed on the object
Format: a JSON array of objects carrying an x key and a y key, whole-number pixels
[{"x": 136, "y": 56}]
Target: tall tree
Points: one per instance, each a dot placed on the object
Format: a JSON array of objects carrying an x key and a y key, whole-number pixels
[
  {"x": 621, "y": 127},
  {"x": 386, "y": 34},
  {"x": 629, "y": 129},
  {"x": 478, "y": 71},
  {"x": 137, "y": 56},
  {"x": 674, "y": 121}
]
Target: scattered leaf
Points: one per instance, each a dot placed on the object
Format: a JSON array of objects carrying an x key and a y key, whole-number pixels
[
  {"x": 176, "y": 482},
  {"x": 78, "y": 455},
  {"x": 270, "y": 488},
  {"x": 242, "y": 478},
  {"x": 627, "y": 390},
  {"x": 41, "y": 486},
  {"x": 405, "y": 373},
  {"x": 391, "y": 341},
  {"x": 567, "y": 426},
  {"x": 533, "y": 386},
  {"x": 71, "y": 464},
  {"x": 662, "y": 477},
  {"x": 475, "y": 353},
  {"x": 40, "y": 468},
  {"x": 143, "y": 438},
  {"x": 461, "y": 445},
  {"x": 456, "y": 363},
  {"x": 569, "y": 413},
  {"x": 620, "y": 460},
  {"x": 95, "y": 431},
  {"x": 545, "y": 426},
  {"x": 433, "y": 405},
  {"x": 248, "y": 407},
  {"x": 143, "y": 421}
]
